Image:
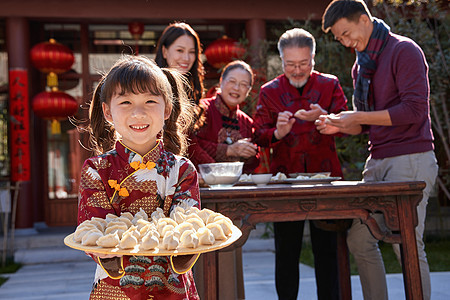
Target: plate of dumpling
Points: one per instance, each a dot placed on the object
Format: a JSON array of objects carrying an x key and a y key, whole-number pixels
[{"x": 185, "y": 231}]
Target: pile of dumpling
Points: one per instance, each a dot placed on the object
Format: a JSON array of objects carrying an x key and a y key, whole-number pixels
[{"x": 186, "y": 228}]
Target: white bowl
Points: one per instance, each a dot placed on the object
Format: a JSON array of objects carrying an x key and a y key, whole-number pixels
[
  {"x": 222, "y": 174},
  {"x": 261, "y": 179}
]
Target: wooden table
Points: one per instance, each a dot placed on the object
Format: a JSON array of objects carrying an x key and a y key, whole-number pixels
[{"x": 338, "y": 200}]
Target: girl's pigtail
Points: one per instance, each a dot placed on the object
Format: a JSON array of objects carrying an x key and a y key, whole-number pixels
[
  {"x": 102, "y": 133},
  {"x": 177, "y": 125}
]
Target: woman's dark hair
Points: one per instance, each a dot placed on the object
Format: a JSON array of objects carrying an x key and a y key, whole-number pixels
[
  {"x": 338, "y": 9},
  {"x": 195, "y": 75},
  {"x": 237, "y": 64},
  {"x": 138, "y": 74}
]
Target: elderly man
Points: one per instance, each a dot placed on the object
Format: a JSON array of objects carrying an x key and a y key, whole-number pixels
[
  {"x": 391, "y": 101},
  {"x": 284, "y": 120}
]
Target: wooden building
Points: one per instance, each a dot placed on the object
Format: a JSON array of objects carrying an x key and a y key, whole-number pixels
[{"x": 97, "y": 32}]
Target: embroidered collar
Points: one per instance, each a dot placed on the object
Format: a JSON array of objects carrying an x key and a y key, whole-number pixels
[
  {"x": 130, "y": 156},
  {"x": 223, "y": 108}
]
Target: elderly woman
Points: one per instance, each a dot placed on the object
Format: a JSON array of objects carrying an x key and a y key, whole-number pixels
[{"x": 227, "y": 132}]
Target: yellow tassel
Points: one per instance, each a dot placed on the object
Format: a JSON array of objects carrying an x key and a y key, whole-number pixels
[
  {"x": 52, "y": 79},
  {"x": 56, "y": 127}
]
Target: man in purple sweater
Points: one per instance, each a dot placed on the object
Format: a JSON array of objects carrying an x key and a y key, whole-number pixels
[{"x": 391, "y": 102}]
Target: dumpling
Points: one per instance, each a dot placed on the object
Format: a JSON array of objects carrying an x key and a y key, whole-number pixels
[
  {"x": 110, "y": 217},
  {"x": 212, "y": 216},
  {"x": 90, "y": 238},
  {"x": 109, "y": 241},
  {"x": 82, "y": 229},
  {"x": 166, "y": 229},
  {"x": 163, "y": 222},
  {"x": 192, "y": 210},
  {"x": 147, "y": 228},
  {"x": 178, "y": 216},
  {"x": 183, "y": 227},
  {"x": 128, "y": 241},
  {"x": 133, "y": 230},
  {"x": 142, "y": 223},
  {"x": 189, "y": 239},
  {"x": 170, "y": 241},
  {"x": 120, "y": 229},
  {"x": 205, "y": 236},
  {"x": 177, "y": 208},
  {"x": 140, "y": 215},
  {"x": 196, "y": 223},
  {"x": 121, "y": 220},
  {"x": 99, "y": 223},
  {"x": 204, "y": 214},
  {"x": 217, "y": 231},
  {"x": 195, "y": 216},
  {"x": 157, "y": 214},
  {"x": 127, "y": 215},
  {"x": 226, "y": 227},
  {"x": 149, "y": 241}
]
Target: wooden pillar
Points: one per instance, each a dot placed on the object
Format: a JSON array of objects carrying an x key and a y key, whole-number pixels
[
  {"x": 256, "y": 33},
  {"x": 17, "y": 41}
]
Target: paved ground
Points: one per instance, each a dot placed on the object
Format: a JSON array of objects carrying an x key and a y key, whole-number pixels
[{"x": 73, "y": 280}]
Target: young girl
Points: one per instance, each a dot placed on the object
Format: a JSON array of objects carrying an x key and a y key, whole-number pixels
[{"x": 136, "y": 101}]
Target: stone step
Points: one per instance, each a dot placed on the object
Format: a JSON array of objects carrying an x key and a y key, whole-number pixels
[{"x": 53, "y": 254}]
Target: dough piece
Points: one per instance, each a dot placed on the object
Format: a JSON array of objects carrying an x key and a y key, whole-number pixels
[
  {"x": 189, "y": 239},
  {"x": 170, "y": 241},
  {"x": 109, "y": 241},
  {"x": 217, "y": 231},
  {"x": 128, "y": 241},
  {"x": 196, "y": 223},
  {"x": 157, "y": 214},
  {"x": 140, "y": 215},
  {"x": 149, "y": 241},
  {"x": 91, "y": 238},
  {"x": 205, "y": 236},
  {"x": 127, "y": 215},
  {"x": 99, "y": 223},
  {"x": 183, "y": 227},
  {"x": 204, "y": 214},
  {"x": 110, "y": 217}
]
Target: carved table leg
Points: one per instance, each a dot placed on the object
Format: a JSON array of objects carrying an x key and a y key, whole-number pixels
[
  {"x": 408, "y": 248},
  {"x": 345, "y": 285}
]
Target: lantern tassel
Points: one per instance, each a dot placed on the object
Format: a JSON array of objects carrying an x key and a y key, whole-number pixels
[
  {"x": 52, "y": 80},
  {"x": 56, "y": 127}
]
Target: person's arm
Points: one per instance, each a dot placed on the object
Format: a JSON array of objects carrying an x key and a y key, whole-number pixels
[{"x": 264, "y": 120}]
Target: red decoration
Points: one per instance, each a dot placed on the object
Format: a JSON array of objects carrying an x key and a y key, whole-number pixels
[
  {"x": 52, "y": 57},
  {"x": 136, "y": 29},
  {"x": 54, "y": 105},
  {"x": 222, "y": 51},
  {"x": 20, "y": 125}
]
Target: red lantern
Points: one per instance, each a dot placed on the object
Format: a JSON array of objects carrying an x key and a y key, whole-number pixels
[
  {"x": 222, "y": 51},
  {"x": 52, "y": 57},
  {"x": 54, "y": 105}
]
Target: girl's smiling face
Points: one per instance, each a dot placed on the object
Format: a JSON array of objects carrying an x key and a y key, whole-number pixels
[
  {"x": 181, "y": 54},
  {"x": 138, "y": 118}
]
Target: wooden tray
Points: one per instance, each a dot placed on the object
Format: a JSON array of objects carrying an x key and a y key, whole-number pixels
[{"x": 236, "y": 234}]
